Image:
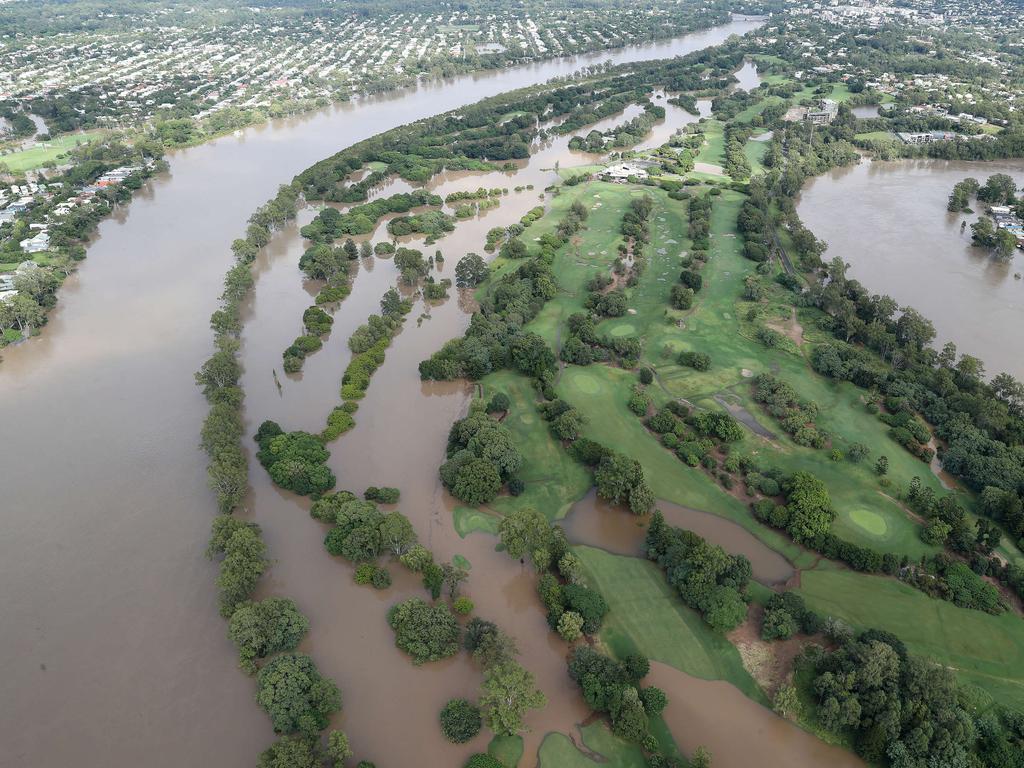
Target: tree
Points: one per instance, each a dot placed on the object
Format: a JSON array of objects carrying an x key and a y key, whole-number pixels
[
  {"x": 477, "y": 482},
  {"x": 588, "y": 603},
  {"x": 570, "y": 626},
  {"x": 425, "y": 632},
  {"x": 508, "y": 692},
  {"x": 527, "y": 533},
  {"x": 470, "y": 271},
  {"x": 396, "y": 533},
  {"x": 629, "y": 720},
  {"x": 489, "y": 645},
  {"x": 983, "y": 232},
  {"x": 810, "y": 506},
  {"x": 243, "y": 564},
  {"x": 701, "y": 758},
  {"x": 654, "y": 700},
  {"x": 25, "y": 312},
  {"x": 291, "y": 752},
  {"x": 1005, "y": 245},
  {"x": 338, "y": 748},
  {"x": 724, "y": 609},
  {"x": 615, "y": 476},
  {"x": 787, "y": 702},
  {"x": 391, "y": 304},
  {"x": 882, "y": 466},
  {"x": 259, "y": 629},
  {"x": 295, "y": 695},
  {"x": 460, "y": 721}
]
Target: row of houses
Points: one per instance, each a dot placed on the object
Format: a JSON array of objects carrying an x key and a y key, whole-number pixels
[{"x": 928, "y": 137}]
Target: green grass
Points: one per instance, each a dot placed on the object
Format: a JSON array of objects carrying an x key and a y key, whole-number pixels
[
  {"x": 985, "y": 651},
  {"x": 755, "y": 152},
  {"x": 553, "y": 479},
  {"x": 714, "y": 143},
  {"x": 647, "y": 616},
  {"x": 30, "y": 159},
  {"x": 876, "y": 136},
  {"x": 558, "y": 751},
  {"x": 507, "y": 749}
]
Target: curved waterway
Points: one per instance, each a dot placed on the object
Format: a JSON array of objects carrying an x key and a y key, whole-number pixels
[
  {"x": 888, "y": 221},
  {"x": 596, "y": 523},
  {"x": 112, "y": 650}
]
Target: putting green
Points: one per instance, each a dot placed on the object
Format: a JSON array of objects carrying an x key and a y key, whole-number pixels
[
  {"x": 623, "y": 330},
  {"x": 586, "y": 384},
  {"x": 872, "y": 522}
]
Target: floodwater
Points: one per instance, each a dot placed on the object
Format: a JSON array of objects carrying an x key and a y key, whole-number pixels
[
  {"x": 596, "y": 523},
  {"x": 888, "y": 221},
  {"x": 111, "y": 649},
  {"x": 865, "y": 110},
  {"x": 750, "y": 735},
  {"x": 747, "y": 76}
]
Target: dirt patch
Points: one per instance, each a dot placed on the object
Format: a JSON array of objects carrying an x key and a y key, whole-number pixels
[
  {"x": 769, "y": 663},
  {"x": 790, "y": 328}
]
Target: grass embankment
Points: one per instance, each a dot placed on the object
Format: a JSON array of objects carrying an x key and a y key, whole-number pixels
[
  {"x": 985, "y": 651},
  {"x": 46, "y": 151},
  {"x": 648, "y": 617}
]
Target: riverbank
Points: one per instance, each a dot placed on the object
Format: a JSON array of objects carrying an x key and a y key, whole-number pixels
[
  {"x": 144, "y": 527},
  {"x": 913, "y": 249}
]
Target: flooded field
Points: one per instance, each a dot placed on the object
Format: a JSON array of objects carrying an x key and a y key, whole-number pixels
[{"x": 888, "y": 221}]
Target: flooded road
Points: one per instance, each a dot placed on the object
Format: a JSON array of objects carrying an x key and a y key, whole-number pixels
[
  {"x": 888, "y": 221},
  {"x": 111, "y": 649}
]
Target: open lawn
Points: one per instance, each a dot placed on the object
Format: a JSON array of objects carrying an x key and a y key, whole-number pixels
[
  {"x": 43, "y": 152},
  {"x": 553, "y": 479},
  {"x": 986, "y": 651},
  {"x": 755, "y": 152},
  {"x": 648, "y": 617},
  {"x": 713, "y": 150},
  {"x": 558, "y": 751}
]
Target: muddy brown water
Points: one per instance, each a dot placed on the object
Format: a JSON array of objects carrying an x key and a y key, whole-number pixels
[
  {"x": 888, "y": 221},
  {"x": 112, "y": 649},
  {"x": 596, "y": 523},
  {"x": 749, "y": 735}
]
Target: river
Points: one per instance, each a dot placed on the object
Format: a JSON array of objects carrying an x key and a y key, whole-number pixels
[
  {"x": 111, "y": 649},
  {"x": 888, "y": 221}
]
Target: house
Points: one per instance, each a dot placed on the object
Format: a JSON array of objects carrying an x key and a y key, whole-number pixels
[
  {"x": 37, "y": 243},
  {"x": 926, "y": 137},
  {"x": 621, "y": 172},
  {"x": 824, "y": 114}
]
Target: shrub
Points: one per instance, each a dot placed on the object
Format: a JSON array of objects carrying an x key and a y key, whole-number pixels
[
  {"x": 385, "y": 495},
  {"x": 460, "y": 721},
  {"x": 570, "y": 626},
  {"x": 699, "y": 361},
  {"x": 462, "y": 606},
  {"x": 587, "y": 603},
  {"x": 295, "y": 695},
  {"x": 425, "y": 632}
]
